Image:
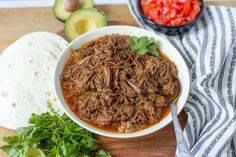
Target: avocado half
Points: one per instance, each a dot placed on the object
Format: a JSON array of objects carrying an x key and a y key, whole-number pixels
[
  {"x": 87, "y": 3},
  {"x": 84, "y": 20},
  {"x": 62, "y": 14}
]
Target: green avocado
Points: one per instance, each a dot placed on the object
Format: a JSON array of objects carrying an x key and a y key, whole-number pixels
[
  {"x": 84, "y": 20},
  {"x": 62, "y": 14},
  {"x": 59, "y": 11},
  {"x": 87, "y": 3}
]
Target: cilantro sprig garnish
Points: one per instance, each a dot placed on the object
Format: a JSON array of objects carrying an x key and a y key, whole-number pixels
[
  {"x": 144, "y": 45},
  {"x": 53, "y": 136}
]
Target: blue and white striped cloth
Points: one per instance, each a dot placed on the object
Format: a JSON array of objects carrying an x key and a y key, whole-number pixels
[{"x": 209, "y": 49}]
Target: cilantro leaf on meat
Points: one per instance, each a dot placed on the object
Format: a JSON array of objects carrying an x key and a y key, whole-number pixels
[
  {"x": 54, "y": 136},
  {"x": 144, "y": 45}
]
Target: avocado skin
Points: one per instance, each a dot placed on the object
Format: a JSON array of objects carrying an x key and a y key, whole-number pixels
[
  {"x": 70, "y": 21},
  {"x": 87, "y": 3},
  {"x": 60, "y": 19},
  {"x": 58, "y": 12}
]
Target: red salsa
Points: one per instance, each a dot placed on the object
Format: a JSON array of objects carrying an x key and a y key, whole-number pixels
[{"x": 171, "y": 12}]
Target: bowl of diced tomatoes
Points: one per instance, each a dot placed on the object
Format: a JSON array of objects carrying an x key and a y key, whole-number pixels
[{"x": 171, "y": 17}]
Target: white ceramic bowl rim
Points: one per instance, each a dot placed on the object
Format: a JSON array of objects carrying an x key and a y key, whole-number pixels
[{"x": 166, "y": 47}]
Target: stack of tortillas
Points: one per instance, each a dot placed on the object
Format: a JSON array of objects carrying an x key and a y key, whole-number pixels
[{"x": 26, "y": 74}]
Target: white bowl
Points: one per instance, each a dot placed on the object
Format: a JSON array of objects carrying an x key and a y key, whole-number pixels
[{"x": 165, "y": 46}]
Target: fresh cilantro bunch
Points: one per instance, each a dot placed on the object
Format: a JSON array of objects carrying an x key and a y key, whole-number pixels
[
  {"x": 53, "y": 136},
  {"x": 144, "y": 45}
]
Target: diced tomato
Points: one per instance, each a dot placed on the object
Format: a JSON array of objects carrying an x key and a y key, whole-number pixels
[
  {"x": 171, "y": 12},
  {"x": 165, "y": 3},
  {"x": 197, "y": 8},
  {"x": 159, "y": 3},
  {"x": 192, "y": 15},
  {"x": 176, "y": 22},
  {"x": 187, "y": 7},
  {"x": 176, "y": 7}
]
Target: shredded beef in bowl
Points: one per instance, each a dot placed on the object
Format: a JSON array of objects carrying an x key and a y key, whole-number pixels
[{"x": 113, "y": 88}]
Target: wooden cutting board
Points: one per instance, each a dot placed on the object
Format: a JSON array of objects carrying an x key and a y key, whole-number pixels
[{"x": 18, "y": 22}]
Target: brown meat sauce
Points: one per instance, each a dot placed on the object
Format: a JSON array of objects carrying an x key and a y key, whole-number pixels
[{"x": 111, "y": 87}]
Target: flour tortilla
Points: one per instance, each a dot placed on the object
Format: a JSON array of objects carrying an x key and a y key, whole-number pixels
[
  {"x": 26, "y": 72},
  {"x": 51, "y": 43}
]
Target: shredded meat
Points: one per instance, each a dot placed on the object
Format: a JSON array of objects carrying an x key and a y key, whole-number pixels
[{"x": 107, "y": 83}]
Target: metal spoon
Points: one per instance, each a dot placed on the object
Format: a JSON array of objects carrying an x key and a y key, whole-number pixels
[{"x": 182, "y": 147}]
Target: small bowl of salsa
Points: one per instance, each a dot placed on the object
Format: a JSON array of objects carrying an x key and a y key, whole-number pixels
[{"x": 171, "y": 17}]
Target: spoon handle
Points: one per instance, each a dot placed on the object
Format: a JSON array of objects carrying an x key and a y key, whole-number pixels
[{"x": 182, "y": 147}]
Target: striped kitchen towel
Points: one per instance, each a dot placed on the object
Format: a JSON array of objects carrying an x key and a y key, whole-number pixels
[{"x": 209, "y": 49}]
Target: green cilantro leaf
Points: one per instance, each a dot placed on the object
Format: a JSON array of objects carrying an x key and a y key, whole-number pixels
[
  {"x": 144, "y": 45},
  {"x": 54, "y": 136},
  {"x": 102, "y": 153}
]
